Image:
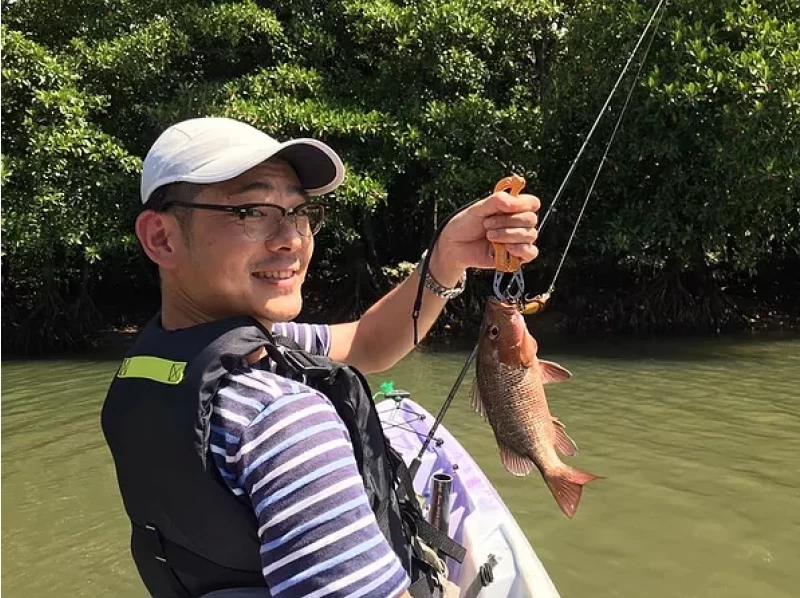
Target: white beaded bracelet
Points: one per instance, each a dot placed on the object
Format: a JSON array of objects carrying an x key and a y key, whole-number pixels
[{"x": 437, "y": 289}]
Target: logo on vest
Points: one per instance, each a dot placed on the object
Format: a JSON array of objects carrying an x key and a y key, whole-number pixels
[{"x": 176, "y": 372}]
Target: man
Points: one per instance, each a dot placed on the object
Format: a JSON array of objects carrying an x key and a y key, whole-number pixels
[{"x": 235, "y": 469}]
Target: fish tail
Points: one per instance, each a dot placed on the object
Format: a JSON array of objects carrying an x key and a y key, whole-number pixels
[{"x": 566, "y": 483}]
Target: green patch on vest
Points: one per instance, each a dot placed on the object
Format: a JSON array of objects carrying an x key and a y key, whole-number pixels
[{"x": 152, "y": 368}]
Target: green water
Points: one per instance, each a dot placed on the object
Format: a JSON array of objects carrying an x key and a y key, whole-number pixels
[{"x": 699, "y": 443}]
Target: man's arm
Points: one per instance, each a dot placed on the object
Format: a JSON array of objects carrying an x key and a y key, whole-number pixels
[
  {"x": 385, "y": 333},
  {"x": 283, "y": 446}
]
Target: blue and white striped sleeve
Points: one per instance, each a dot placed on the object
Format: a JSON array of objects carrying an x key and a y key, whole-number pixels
[
  {"x": 285, "y": 447},
  {"x": 314, "y": 338}
]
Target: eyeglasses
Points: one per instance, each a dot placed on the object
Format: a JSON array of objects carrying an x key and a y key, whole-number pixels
[{"x": 262, "y": 221}]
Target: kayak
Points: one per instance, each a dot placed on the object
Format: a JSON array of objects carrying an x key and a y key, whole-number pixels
[{"x": 500, "y": 562}]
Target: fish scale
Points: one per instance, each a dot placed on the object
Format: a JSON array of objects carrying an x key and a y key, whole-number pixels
[{"x": 509, "y": 392}]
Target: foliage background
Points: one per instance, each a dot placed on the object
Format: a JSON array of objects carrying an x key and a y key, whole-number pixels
[{"x": 694, "y": 225}]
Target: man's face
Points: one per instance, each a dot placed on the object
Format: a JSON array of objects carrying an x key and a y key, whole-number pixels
[{"x": 220, "y": 271}]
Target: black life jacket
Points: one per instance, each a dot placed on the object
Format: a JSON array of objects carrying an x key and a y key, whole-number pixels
[{"x": 190, "y": 534}]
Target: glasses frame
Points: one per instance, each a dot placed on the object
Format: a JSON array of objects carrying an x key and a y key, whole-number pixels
[{"x": 245, "y": 210}]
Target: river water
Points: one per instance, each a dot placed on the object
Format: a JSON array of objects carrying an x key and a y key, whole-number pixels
[{"x": 698, "y": 442}]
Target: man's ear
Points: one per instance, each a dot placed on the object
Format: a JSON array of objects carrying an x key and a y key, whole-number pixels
[{"x": 159, "y": 236}]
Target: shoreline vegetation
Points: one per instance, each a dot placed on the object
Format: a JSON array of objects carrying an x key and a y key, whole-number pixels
[
  {"x": 693, "y": 226},
  {"x": 580, "y": 316},
  {"x": 677, "y": 304},
  {"x": 113, "y": 342}
]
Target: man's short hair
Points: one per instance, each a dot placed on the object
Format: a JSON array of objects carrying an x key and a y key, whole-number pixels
[{"x": 161, "y": 199}]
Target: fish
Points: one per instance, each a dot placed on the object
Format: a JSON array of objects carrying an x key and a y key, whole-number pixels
[{"x": 508, "y": 391}]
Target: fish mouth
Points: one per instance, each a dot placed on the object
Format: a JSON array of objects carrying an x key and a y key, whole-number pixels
[
  {"x": 506, "y": 317},
  {"x": 503, "y": 307}
]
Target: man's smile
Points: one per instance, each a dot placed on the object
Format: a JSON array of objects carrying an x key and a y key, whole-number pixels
[{"x": 275, "y": 274}]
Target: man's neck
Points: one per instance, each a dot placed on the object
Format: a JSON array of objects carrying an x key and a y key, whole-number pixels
[{"x": 175, "y": 317}]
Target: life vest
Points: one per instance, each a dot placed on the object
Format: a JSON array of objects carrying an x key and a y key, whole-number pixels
[{"x": 190, "y": 534}]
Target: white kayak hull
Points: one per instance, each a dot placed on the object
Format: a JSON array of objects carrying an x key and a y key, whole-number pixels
[{"x": 479, "y": 519}]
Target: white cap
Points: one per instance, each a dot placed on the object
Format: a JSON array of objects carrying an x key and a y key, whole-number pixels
[{"x": 210, "y": 150}]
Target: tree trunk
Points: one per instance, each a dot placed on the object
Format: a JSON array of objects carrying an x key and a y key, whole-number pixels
[
  {"x": 540, "y": 66},
  {"x": 435, "y": 213}
]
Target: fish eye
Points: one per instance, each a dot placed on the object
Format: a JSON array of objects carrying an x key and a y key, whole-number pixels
[{"x": 493, "y": 331}]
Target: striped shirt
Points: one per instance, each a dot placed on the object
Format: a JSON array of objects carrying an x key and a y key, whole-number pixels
[{"x": 282, "y": 446}]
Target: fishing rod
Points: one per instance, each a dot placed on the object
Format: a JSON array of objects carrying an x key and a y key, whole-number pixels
[
  {"x": 552, "y": 285},
  {"x": 600, "y": 115},
  {"x": 416, "y": 462}
]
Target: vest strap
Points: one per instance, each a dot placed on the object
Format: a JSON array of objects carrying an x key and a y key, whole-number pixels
[
  {"x": 427, "y": 533},
  {"x": 440, "y": 541},
  {"x": 295, "y": 360}
]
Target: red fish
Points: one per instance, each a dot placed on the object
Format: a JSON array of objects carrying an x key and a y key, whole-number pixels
[{"x": 509, "y": 392}]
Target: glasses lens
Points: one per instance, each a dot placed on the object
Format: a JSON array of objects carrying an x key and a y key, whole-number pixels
[
  {"x": 264, "y": 222},
  {"x": 310, "y": 219}
]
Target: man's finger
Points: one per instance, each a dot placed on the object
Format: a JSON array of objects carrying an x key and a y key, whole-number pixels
[
  {"x": 505, "y": 203},
  {"x": 524, "y": 251},
  {"x": 512, "y": 235},
  {"x": 519, "y": 220},
  {"x": 511, "y": 204}
]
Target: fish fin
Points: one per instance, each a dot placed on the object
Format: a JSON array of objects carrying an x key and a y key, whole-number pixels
[
  {"x": 552, "y": 372},
  {"x": 476, "y": 402},
  {"x": 564, "y": 444},
  {"x": 515, "y": 463},
  {"x": 566, "y": 484}
]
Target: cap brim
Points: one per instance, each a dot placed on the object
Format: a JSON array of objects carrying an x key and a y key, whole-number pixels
[{"x": 318, "y": 167}]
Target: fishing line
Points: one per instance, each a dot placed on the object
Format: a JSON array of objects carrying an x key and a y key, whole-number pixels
[
  {"x": 551, "y": 288},
  {"x": 407, "y": 428},
  {"x": 600, "y": 116},
  {"x": 415, "y": 464},
  {"x": 426, "y": 262}
]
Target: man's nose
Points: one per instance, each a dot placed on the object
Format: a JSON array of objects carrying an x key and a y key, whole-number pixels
[{"x": 287, "y": 238}]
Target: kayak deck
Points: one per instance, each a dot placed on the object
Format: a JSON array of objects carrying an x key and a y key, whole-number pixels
[{"x": 479, "y": 519}]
